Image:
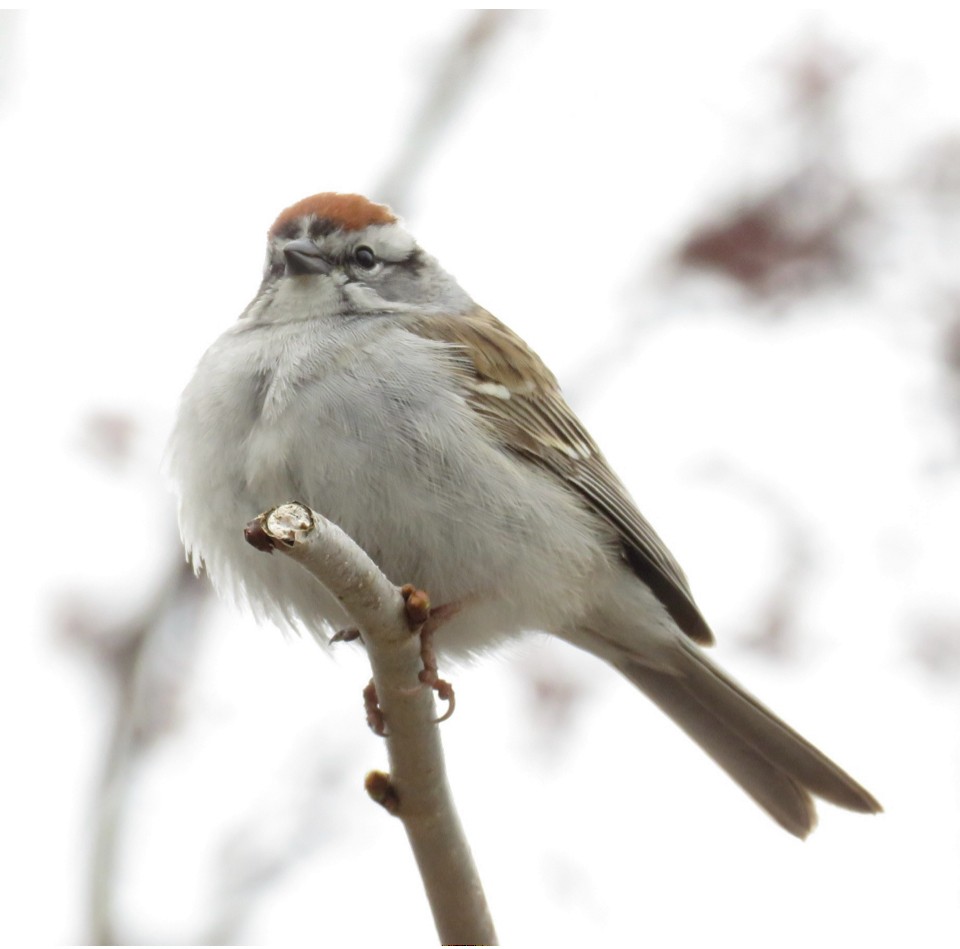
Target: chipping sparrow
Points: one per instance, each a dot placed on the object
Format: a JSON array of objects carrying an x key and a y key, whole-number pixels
[{"x": 364, "y": 382}]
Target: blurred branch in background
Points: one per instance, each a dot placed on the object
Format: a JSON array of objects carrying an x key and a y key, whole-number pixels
[
  {"x": 10, "y": 21},
  {"x": 951, "y": 356},
  {"x": 936, "y": 646},
  {"x": 147, "y": 663},
  {"x": 937, "y": 182},
  {"x": 281, "y": 829},
  {"x": 456, "y": 76}
]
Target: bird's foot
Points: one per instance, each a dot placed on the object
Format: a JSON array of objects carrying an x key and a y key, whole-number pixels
[{"x": 420, "y": 615}]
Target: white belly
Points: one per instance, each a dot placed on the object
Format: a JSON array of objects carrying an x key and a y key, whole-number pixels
[{"x": 374, "y": 438}]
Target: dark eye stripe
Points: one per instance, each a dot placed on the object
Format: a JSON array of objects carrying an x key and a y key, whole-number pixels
[
  {"x": 289, "y": 231},
  {"x": 412, "y": 264},
  {"x": 321, "y": 227}
]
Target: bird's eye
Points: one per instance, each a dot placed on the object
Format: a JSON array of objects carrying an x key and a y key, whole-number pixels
[{"x": 365, "y": 257}]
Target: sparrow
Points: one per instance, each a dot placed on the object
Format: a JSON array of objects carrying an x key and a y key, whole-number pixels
[{"x": 363, "y": 381}]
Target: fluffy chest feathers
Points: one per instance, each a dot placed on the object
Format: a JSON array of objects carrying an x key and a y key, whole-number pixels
[
  {"x": 333, "y": 413},
  {"x": 368, "y": 425}
]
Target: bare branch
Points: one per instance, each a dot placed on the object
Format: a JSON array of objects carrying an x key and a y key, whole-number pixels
[
  {"x": 455, "y": 77},
  {"x": 416, "y": 789},
  {"x": 148, "y": 661}
]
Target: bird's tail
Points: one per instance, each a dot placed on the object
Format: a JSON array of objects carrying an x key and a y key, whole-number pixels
[{"x": 777, "y": 767}]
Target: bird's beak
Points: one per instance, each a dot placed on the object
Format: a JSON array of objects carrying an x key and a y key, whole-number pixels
[{"x": 303, "y": 257}]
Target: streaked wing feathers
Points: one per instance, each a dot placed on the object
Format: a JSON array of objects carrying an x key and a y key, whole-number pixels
[{"x": 509, "y": 385}]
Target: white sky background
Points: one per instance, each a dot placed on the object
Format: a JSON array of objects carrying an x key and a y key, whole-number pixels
[{"x": 143, "y": 159}]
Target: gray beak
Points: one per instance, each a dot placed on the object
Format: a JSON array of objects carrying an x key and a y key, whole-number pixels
[{"x": 303, "y": 257}]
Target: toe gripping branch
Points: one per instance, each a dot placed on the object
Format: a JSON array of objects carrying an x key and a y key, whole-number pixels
[{"x": 420, "y": 616}]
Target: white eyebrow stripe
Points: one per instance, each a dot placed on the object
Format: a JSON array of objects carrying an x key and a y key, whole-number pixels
[{"x": 391, "y": 241}]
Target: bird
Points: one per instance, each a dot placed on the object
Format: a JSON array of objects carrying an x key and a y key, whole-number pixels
[{"x": 363, "y": 381}]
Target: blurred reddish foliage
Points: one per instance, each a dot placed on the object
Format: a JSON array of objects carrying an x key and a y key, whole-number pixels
[
  {"x": 795, "y": 235},
  {"x": 108, "y": 436},
  {"x": 790, "y": 239}
]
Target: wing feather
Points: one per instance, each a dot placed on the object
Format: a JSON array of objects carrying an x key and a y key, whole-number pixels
[{"x": 509, "y": 386}]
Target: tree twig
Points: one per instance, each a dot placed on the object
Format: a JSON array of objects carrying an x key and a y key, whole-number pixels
[
  {"x": 454, "y": 77},
  {"x": 416, "y": 789},
  {"x": 148, "y": 664}
]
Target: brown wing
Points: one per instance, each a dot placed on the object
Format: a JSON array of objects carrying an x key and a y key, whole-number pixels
[{"x": 509, "y": 385}]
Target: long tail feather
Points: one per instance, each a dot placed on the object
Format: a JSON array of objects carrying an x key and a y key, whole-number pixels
[{"x": 775, "y": 765}]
